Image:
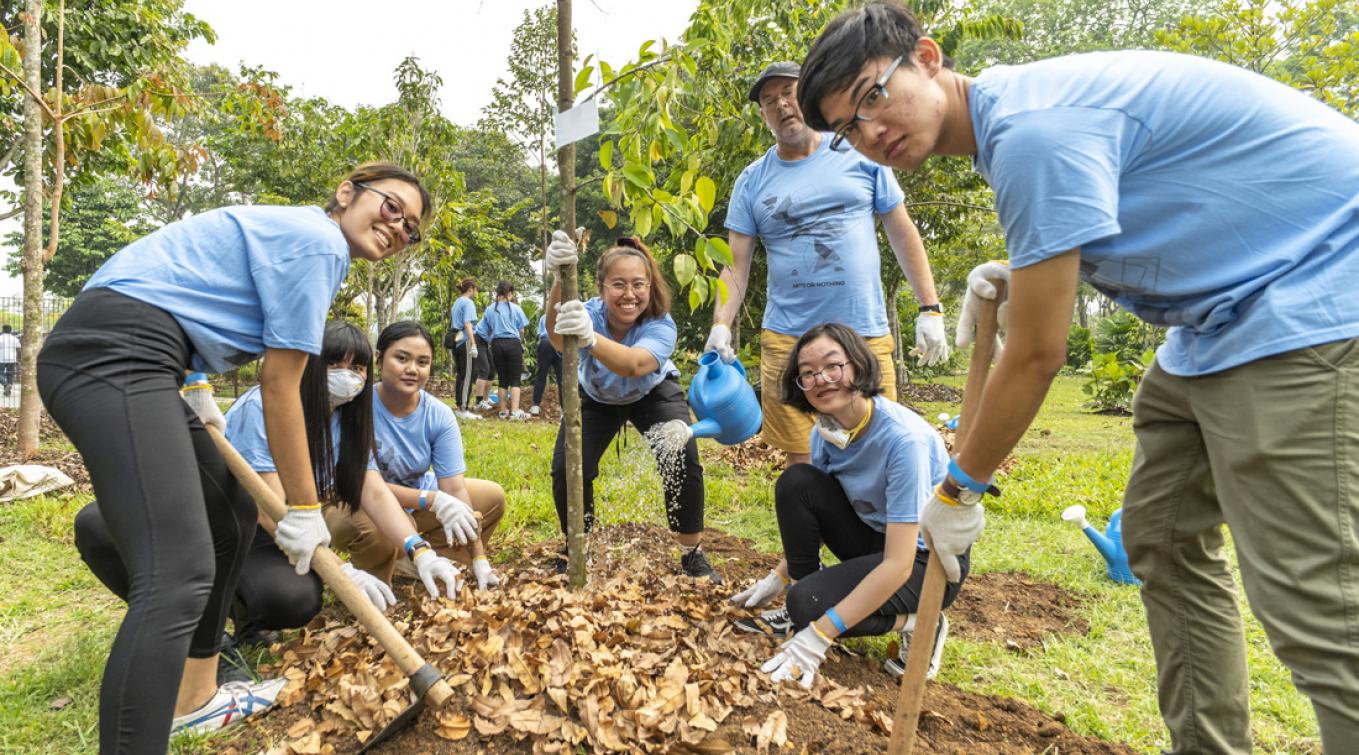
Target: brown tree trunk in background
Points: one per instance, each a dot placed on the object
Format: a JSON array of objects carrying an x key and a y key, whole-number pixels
[
  {"x": 30, "y": 406},
  {"x": 894, "y": 326},
  {"x": 566, "y": 169}
]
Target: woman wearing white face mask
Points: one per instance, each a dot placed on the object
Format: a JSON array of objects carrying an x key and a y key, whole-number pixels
[
  {"x": 420, "y": 456},
  {"x": 872, "y": 461},
  {"x": 270, "y": 595}
]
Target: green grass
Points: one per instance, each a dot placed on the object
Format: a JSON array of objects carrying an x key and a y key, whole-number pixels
[{"x": 56, "y": 622}]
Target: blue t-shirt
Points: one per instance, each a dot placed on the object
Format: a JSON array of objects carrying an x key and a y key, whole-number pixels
[
  {"x": 245, "y": 430},
  {"x": 816, "y": 218},
  {"x": 1202, "y": 196},
  {"x": 890, "y": 470},
  {"x": 503, "y": 319},
  {"x": 655, "y": 334},
  {"x": 237, "y": 279},
  {"x": 408, "y": 447},
  {"x": 542, "y": 328},
  {"x": 464, "y": 311}
]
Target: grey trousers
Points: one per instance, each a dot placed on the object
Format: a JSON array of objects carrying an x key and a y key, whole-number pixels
[{"x": 1271, "y": 449}]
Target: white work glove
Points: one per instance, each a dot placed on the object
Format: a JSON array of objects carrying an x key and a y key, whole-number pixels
[
  {"x": 486, "y": 576},
  {"x": 950, "y": 529},
  {"x": 472, "y": 349},
  {"x": 760, "y": 593},
  {"x": 561, "y": 251},
  {"x": 981, "y": 285},
  {"x": 375, "y": 589},
  {"x": 432, "y": 567},
  {"x": 802, "y": 655},
  {"x": 931, "y": 344},
  {"x": 719, "y": 340},
  {"x": 300, "y": 532},
  {"x": 199, "y": 398},
  {"x": 573, "y": 320},
  {"x": 460, "y": 524}
]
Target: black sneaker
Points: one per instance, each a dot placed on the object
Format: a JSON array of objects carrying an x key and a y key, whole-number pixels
[
  {"x": 559, "y": 562},
  {"x": 775, "y": 622},
  {"x": 695, "y": 564},
  {"x": 231, "y": 664},
  {"x": 897, "y": 666}
]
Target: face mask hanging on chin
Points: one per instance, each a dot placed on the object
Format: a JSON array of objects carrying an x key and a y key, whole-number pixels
[
  {"x": 831, "y": 431},
  {"x": 344, "y": 386}
]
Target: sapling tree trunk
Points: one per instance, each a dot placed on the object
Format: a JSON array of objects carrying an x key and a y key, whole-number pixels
[
  {"x": 30, "y": 406},
  {"x": 570, "y": 398}
]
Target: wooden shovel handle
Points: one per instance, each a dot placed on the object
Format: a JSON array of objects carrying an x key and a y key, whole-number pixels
[
  {"x": 912, "y": 694},
  {"x": 325, "y": 563}
]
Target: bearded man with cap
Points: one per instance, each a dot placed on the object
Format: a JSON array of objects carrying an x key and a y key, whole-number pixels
[{"x": 813, "y": 209}]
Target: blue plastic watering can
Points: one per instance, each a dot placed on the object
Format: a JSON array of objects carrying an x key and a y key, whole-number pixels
[
  {"x": 723, "y": 401},
  {"x": 1109, "y": 544}
]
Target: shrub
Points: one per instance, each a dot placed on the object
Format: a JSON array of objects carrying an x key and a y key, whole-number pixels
[
  {"x": 1078, "y": 347},
  {"x": 1111, "y": 381},
  {"x": 1126, "y": 336}
]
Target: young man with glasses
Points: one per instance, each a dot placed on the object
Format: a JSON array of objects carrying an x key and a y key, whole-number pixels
[
  {"x": 814, "y": 208},
  {"x": 1201, "y": 197}
]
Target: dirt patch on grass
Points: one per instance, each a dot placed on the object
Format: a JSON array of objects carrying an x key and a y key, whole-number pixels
[
  {"x": 644, "y": 660},
  {"x": 932, "y": 393},
  {"x": 1012, "y": 608},
  {"x": 49, "y": 438}
]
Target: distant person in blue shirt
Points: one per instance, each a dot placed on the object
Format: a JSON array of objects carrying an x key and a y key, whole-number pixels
[
  {"x": 873, "y": 461},
  {"x": 815, "y": 210},
  {"x": 626, "y": 339},
  {"x": 485, "y": 368},
  {"x": 466, "y": 354},
  {"x": 1198, "y": 196},
  {"x": 548, "y": 361},
  {"x": 209, "y": 292},
  {"x": 420, "y": 457},
  {"x": 504, "y": 321}
]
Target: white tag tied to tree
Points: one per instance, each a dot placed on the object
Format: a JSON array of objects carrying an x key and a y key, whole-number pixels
[{"x": 577, "y": 123}]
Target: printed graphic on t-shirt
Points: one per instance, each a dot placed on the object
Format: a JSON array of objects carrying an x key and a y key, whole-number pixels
[{"x": 820, "y": 228}]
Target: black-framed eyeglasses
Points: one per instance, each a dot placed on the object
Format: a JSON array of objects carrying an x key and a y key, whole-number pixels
[
  {"x": 392, "y": 209},
  {"x": 830, "y": 375},
  {"x": 869, "y": 106}
]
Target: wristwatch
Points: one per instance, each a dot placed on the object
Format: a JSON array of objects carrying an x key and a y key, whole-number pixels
[
  {"x": 932, "y": 308},
  {"x": 962, "y": 495}
]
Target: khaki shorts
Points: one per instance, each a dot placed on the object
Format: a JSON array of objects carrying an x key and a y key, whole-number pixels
[{"x": 789, "y": 429}]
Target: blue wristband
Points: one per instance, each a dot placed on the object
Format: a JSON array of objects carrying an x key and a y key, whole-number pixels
[
  {"x": 836, "y": 620},
  {"x": 424, "y": 505},
  {"x": 411, "y": 543},
  {"x": 195, "y": 377},
  {"x": 962, "y": 478}
]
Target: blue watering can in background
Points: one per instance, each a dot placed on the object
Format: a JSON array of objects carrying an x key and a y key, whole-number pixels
[
  {"x": 723, "y": 401},
  {"x": 1109, "y": 544}
]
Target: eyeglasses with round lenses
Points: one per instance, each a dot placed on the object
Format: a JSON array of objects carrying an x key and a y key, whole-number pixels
[
  {"x": 870, "y": 105},
  {"x": 621, "y": 287},
  {"x": 830, "y": 375},
  {"x": 392, "y": 209}
]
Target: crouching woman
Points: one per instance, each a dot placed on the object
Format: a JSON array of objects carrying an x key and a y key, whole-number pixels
[{"x": 872, "y": 462}]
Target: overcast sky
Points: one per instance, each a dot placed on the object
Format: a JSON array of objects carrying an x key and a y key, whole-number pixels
[{"x": 347, "y": 50}]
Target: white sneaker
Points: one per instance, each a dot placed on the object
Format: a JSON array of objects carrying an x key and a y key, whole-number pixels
[
  {"x": 470, "y": 416},
  {"x": 534, "y": 410},
  {"x": 897, "y": 666},
  {"x": 484, "y": 406},
  {"x": 233, "y": 702},
  {"x": 517, "y": 414}
]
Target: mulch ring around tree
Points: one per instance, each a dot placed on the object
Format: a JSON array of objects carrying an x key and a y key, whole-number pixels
[
  {"x": 643, "y": 660},
  {"x": 48, "y": 435},
  {"x": 933, "y": 393}
]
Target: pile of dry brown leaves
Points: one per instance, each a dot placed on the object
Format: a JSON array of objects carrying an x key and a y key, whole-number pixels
[{"x": 638, "y": 662}]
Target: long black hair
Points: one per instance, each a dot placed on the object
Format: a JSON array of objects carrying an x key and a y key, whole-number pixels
[{"x": 339, "y": 477}]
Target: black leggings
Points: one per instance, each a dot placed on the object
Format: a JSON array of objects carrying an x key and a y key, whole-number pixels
[
  {"x": 269, "y": 594},
  {"x": 484, "y": 369},
  {"x": 463, "y": 374},
  {"x": 599, "y": 423},
  {"x": 548, "y": 359},
  {"x": 508, "y": 356},
  {"x": 813, "y": 509},
  {"x": 109, "y": 374}
]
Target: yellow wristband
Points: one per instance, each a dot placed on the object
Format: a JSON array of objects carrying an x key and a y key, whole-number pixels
[
  {"x": 420, "y": 549},
  {"x": 823, "y": 634},
  {"x": 945, "y": 497},
  {"x": 305, "y": 507},
  {"x": 198, "y": 387},
  {"x": 481, "y": 558},
  {"x": 786, "y": 580}
]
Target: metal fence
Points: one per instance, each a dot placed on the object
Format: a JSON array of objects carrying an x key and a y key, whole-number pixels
[{"x": 12, "y": 314}]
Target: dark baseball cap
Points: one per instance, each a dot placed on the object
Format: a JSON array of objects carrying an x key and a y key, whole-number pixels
[{"x": 784, "y": 69}]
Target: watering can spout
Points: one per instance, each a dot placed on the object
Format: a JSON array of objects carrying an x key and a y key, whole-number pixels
[
  {"x": 706, "y": 428},
  {"x": 1109, "y": 543}
]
